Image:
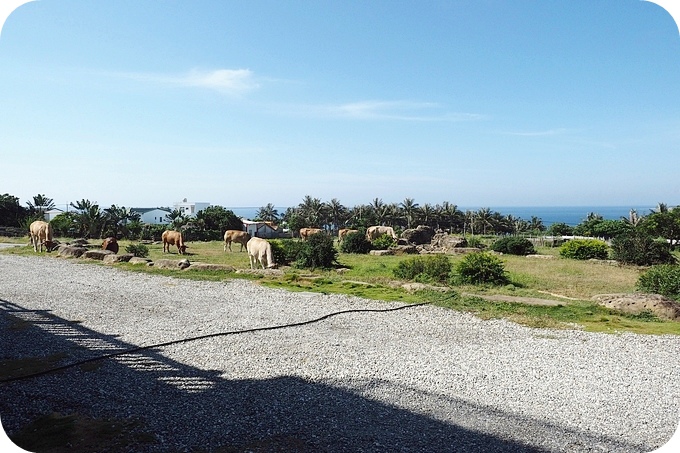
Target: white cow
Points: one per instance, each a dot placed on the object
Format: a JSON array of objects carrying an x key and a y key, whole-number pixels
[
  {"x": 41, "y": 234},
  {"x": 260, "y": 251},
  {"x": 374, "y": 232}
]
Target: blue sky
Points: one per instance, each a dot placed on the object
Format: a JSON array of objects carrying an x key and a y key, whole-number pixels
[{"x": 142, "y": 103}]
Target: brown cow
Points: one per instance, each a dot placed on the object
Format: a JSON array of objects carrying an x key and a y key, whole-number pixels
[
  {"x": 173, "y": 238},
  {"x": 344, "y": 232},
  {"x": 110, "y": 243},
  {"x": 41, "y": 234},
  {"x": 373, "y": 232},
  {"x": 305, "y": 233},
  {"x": 238, "y": 236}
]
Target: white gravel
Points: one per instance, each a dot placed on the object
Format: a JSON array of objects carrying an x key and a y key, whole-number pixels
[{"x": 416, "y": 379}]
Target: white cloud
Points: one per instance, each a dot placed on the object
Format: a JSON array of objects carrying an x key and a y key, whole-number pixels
[
  {"x": 398, "y": 110},
  {"x": 227, "y": 81}
]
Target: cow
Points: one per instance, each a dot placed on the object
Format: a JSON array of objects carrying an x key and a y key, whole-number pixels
[
  {"x": 305, "y": 233},
  {"x": 344, "y": 232},
  {"x": 260, "y": 251},
  {"x": 41, "y": 234},
  {"x": 372, "y": 233},
  {"x": 173, "y": 238},
  {"x": 110, "y": 243},
  {"x": 238, "y": 236}
]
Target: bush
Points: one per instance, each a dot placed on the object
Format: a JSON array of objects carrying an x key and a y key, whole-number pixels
[
  {"x": 479, "y": 268},
  {"x": 641, "y": 249},
  {"x": 138, "y": 250},
  {"x": 280, "y": 251},
  {"x": 356, "y": 243},
  {"x": 514, "y": 246},
  {"x": 432, "y": 268},
  {"x": 475, "y": 241},
  {"x": 661, "y": 279},
  {"x": 383, "y": 242},
  {"x": 316, "y": 251},
  {"x": 585, "y": 249}
]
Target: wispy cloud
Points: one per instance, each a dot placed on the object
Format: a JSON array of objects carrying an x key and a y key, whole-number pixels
[
  {"x": 397, "y": 110},
  {"x": 225, "y": 81},
  {"x": 549, "y": 132}
]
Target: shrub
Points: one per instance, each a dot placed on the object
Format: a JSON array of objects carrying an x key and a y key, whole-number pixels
[
  {"x": 139, "y": 250},
  {"x": 383, "y": 242},
  {"x": 661, "y": 279},
  {"x": 481, "y": 267},
  {"x": 514, "y": 246},
  {"x": 475, "y": 241},
  {"x": 585, "y": 249},
  {"x": 424, "y": 269},
  {"x": 356, "y": 243},
  {"x": 280, "y": 251},
  {"x": 316, "y": 251},
  {"x": 641, "y": 249}
]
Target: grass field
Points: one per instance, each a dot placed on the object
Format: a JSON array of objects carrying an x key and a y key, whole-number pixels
[{"x": 571, "y": 282}]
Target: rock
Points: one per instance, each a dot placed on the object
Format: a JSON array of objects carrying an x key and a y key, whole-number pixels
[
  {"x": 415, "y": 286},
  {"x": 542, "y": 257},
  {"x": 404, "y": 250},
  {"x": 96, "y": 254},
  {"x": 113, "y": 258},
  {"x": 447, "y": 242},
  {"x": 171, "y": 264},
  {"x": 271, "y": 272},
  {"x": 661, "y": 306},
  {"x": 381, "y": 252},
  {"x": 110, "y": 243},
  {"x": 139, "y": 260},
  {"x": 213, "y": 267},
  {"x": 69, "y": 251},
  {"x": 422, "y": 234},
  {"x": 80, "y": 242}
]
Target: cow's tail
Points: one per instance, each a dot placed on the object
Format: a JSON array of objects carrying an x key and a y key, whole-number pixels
[{"x": 270, "y": 259}]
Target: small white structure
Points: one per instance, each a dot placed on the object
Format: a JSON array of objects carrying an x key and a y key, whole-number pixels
[
  {"x": 260, "y": 229},
  {"x": 154, "y": 216},
  {"x": 189, "y": 208},
  {"x": 51, "y": 214}
]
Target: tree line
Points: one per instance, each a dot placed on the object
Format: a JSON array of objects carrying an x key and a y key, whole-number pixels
[{"x": 90, "y": 220}]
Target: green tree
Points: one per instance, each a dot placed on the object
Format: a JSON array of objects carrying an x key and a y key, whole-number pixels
[
  {"x": 267, "y": 213},
  {"x": 409, "y": 211},
  {"x": 665, "y": 223},
  {"x": 40, "y": 205},
  {"x": 89, "y": 218},
  {"x": 12, "y": 214},
  {"x": 213, "y": 221}
]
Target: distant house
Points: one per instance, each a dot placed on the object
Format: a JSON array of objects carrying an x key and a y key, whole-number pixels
[
  {"x": 265, "y": 230},
  {"x": 189, "y": 208},
  {"x": 52, "y": 213},
  {"x": 155, "y": 216}
]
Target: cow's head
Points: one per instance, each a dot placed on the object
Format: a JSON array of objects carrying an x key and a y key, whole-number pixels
[{"x": 182, "y": 249}]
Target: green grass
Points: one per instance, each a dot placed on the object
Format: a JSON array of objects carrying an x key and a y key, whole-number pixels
[{"x": 571, "y": 282}]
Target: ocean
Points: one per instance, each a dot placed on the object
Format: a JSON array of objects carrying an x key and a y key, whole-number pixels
[{"x": 571, "y": 215}]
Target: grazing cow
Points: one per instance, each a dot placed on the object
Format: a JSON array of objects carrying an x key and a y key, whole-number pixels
[
  {"x": 238, "y": 236},
  {"x": 305, "y": 233},
  {"x": 110, "y": 243},
  {"x": 41, "y": 234},
  {"x": 344, "y": 232},
  {"x": 372, "y": 233},
  {"x": 173, "y": 238},
  {"x": 260, "y": 251}
]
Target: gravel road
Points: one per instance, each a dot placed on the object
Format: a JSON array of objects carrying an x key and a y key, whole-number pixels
[{"x": 419, "y": 378}]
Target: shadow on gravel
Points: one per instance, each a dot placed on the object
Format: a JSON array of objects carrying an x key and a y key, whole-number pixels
[{"x": 182, "y": 408}]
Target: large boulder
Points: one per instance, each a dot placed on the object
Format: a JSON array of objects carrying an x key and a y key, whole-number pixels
[
  {"x": 114, "y": 258},
  {"x": 171, "y": 264},
  {"x": 96, "y": 254},
  {"x": 69, "y": 251},
  {"x": 661, "y": 306},
  {"x": 447, "y": 241},
  {"x": 422, "y": 234}
]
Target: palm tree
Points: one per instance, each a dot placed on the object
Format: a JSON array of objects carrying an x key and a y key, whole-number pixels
[
  {"x": 380, "y": 210},
  {"x": 268, "y": 213},
  {"x": 337, "y": 213},
  {"x": 536, "y": 224},
  {"x": 428, "y": 214},
  {"x": 484, "y": 218},
  {"x": 409, "y": 208},
  {"x": 312, "y": 211},
  {"x": 89, "y": 218},
  {"x": 451, "y": 216},
  {"x": 40, "y": 205},
  {"x": 176, "y": 219}
]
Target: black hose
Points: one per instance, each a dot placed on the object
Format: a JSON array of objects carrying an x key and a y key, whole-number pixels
[{"x": 201, "y": 337}]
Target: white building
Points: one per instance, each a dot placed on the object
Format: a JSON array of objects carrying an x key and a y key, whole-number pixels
[
  {"x": 52, "y": 213},
  {"x": 155, "y": 216},
  {"x": 189, "y": 208},
  {"x": 260, "y": 229}
]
